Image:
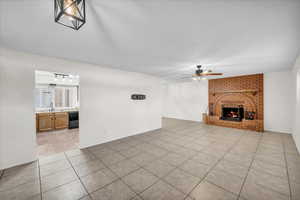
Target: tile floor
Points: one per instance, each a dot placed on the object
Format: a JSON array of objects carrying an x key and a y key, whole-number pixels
[
  {"x": 182, "y": 161},
  {"x": 59, "y": 141}
]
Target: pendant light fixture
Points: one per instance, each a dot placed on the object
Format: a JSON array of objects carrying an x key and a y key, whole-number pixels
[{"x": 70, "y": 13}]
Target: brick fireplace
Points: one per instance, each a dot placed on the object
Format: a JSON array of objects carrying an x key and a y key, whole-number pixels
[{"x": 237, "y": 102}]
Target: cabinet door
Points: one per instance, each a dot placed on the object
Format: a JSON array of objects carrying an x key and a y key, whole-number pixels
[
  {"x": 61, "y": 120},
  {"x": 45, "y": 122}
]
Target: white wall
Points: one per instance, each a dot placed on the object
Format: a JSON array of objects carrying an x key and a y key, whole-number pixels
[
  {"x": 106, "y": 111},
  {"x": 186, "y": 100},
  {"x": 17, "y": 125},
  {"x": 296, "y": 121},
  {"x": 190, "y": 99},
  {"x": 278, "y": 101}
]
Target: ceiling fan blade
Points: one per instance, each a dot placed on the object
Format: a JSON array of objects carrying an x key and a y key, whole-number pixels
[
  {"x": 211, "y": 74},
  {"x": 207, "y": 74}
]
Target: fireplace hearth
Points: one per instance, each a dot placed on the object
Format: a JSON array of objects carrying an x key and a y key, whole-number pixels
[{"x": 232, "y": 113}]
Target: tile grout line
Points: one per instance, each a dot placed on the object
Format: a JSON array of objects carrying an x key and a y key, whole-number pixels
[
  {"x": 157, "y": 157},
  {"x": 249, "y": 168},
  {"x": 202, "y": 179},
  {"x": 180, "y": 145},
  {"x": 88, "y": 194},
  {"x": 142, "y": 167},
  {"x": 223, "y": 188},
  {"x": 119, "y": 178},
  {"x": 40, "y": 180},
  {"x": 190, "y": 158},
  {"x": 141, "y": 150},
  {"x": 175, "y": 167},
  {"x": 213, "y": 167},
  {"x": 28, "y": 181},
  {"x": 160, "y": 178},
  {"x": 286, "y": 165}
]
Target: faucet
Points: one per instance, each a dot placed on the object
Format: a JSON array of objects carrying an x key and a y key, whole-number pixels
[{"x": 51, "y": 109}]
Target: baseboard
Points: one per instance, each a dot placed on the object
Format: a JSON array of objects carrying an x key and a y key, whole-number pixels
[
  {"x": 117, "y": 138},
  {"x": 189, "y": 120},
  {"x": 17, "y": 164},
  {"x": 297, "y": 142},
  {"x": 276, "y": 131}
]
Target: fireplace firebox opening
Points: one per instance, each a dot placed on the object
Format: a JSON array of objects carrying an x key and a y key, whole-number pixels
[{"x": 232, "y": 113}]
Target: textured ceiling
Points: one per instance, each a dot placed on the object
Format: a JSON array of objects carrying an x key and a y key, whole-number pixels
[{"x": 164, "y": 38}]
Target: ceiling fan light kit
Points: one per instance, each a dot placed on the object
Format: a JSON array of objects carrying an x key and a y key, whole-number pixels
[
  {"x": 199, "y": 78},
  {"x": 70, "y": 13}
]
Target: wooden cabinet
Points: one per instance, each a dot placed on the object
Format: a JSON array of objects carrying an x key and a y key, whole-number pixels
[
  {"x": 45, "y": 121},
  {"x": 61, "y": 120},
  {"x": 51, "y": 121}
]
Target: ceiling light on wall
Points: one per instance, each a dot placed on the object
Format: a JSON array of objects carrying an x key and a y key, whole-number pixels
[
  {"x": 60, "y": 76},
  {"x": 70, "y": 13}
]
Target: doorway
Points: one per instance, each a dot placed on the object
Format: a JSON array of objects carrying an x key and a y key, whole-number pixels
[{"x": 57, "y": 112}]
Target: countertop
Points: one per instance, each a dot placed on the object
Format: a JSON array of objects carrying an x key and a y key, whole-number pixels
[{"x": 55, "y": 111}]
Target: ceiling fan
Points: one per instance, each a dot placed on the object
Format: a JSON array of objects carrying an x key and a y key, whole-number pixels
[{"x": 200, "y": 72}]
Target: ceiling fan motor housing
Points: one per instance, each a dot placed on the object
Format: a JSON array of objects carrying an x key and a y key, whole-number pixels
[{"x": 199, "y": 70}]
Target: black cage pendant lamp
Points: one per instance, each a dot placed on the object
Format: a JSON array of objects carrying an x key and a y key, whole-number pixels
[{"x": 70, "y": 13}]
